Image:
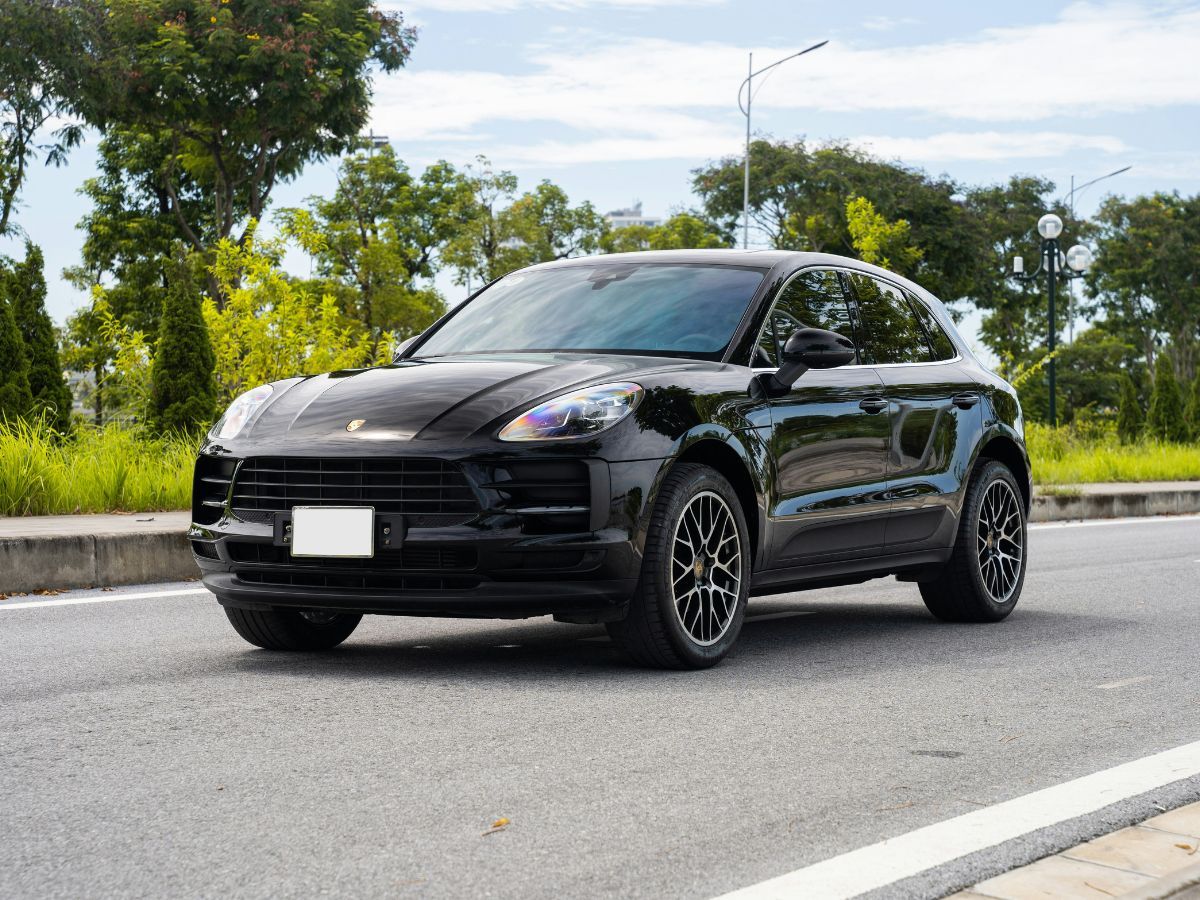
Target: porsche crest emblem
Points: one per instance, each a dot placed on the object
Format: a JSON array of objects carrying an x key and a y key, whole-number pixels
[{"x": 356, "y": 424}]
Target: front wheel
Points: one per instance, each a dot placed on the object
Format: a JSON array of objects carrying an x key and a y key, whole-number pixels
[
  {"x": 983, "y": 579},
  {"x": 308, "y": 629},
  {"x": 691, "y": 597}
]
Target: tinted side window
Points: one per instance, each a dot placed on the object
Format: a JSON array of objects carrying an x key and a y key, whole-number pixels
[
  {"x": 890, "y": 331},
  {"x": 939, "y": 341},
  {"x": 812, "y": 299}
]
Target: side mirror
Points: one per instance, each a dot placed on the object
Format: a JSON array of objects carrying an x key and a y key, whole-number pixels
[{"x": 810, "y": 348}]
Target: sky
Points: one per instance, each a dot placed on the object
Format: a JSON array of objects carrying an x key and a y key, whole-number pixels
[{"x": 621, "y": 101}]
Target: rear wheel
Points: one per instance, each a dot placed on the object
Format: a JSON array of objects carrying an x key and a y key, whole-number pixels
[
  {"x": 309, "y": 629},
  {"x": 695, "y": 578},
  {"x": 983, "y": 579}
]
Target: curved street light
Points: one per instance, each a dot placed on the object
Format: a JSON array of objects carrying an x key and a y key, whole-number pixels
[
  {"x": 1070, "y": 266},
  {"x": 748, "y": 87}
]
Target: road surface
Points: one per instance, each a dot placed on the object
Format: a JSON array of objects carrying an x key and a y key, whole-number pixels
[{"x": 147, "y": 751}]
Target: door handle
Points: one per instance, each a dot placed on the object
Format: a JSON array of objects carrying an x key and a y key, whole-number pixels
[
  {"x": 965, "y": 401},
  {"x": 873, "y": 405}
]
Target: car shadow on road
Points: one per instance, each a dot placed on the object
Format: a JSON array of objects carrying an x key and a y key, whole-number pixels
[{"x": 819, "y": 639}]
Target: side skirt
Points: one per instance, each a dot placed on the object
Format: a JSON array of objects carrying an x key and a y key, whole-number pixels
[{"x": 908, "y": 566}]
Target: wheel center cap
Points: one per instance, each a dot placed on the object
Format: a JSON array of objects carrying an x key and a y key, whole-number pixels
[{"x": 698, "y": 567}]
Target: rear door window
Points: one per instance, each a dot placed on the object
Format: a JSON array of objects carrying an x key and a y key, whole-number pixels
[
  {"x": 889, "y": 330},
  {"x": 940, "y": 346}
]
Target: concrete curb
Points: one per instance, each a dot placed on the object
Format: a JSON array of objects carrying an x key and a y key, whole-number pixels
[
  {"x": 1113, "y": 505},
  {"x": 61, "y": 562}
]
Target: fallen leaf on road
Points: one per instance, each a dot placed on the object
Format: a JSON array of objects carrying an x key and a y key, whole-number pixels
[
  {"x": 498, "y": 825},
  {"x": 46, "y": 592},
  {"x": 108, "y": 589},
  {"x": 1188, "y": 847},
  {"x": 1100, "y": 889}
]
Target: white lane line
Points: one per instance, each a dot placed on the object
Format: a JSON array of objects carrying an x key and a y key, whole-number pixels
[
  {"x": 99, "y": 598},
  {"x": 1124, "y": 682},
  {"x": 1095, "y": 523},
  {"x": 886, "y": 862}
]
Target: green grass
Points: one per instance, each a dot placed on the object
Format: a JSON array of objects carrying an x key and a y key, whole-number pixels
[
  {"x": 110, "y": 469},
  {"x": 1067, "y": 455}
]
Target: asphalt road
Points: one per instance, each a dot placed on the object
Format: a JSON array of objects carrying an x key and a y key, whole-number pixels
[{"x": 147, "y": 751}]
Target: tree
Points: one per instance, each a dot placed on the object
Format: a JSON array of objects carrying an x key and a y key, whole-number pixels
[
  {"x": 382, "y": 230},
  {"x": 1193, "y": 408},
  {"x": 183, "y": 394},
  {"x": 243, "y": 94},
  {"x": 1165, "y": 419},
  {"x": 37, "y": 47},
  {"x": 798, "y": 200},
  {"x": 23, "y": 286},
  {"x": 1146, "y": 278},
  {"x": 539, "y": 226},
  {"x": 15, "y": 397},
  {"x": 683, "y": 231},
  {"x": 880, "y": 242},
  {"x": 1130, "y": 419}
]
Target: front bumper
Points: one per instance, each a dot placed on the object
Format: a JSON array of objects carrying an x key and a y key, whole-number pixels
[{"x": 496, "y": 566}]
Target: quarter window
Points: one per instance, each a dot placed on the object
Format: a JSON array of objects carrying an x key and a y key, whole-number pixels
[
  {"x": 812, "y": 299},
  {"x": 940, "y": 346},
  {"x": 890, "y": 331}
]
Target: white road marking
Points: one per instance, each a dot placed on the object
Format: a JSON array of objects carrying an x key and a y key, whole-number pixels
[
  {"x": 99, "y": 598},
  {"x": 891, "y": 860},
  {"x": 1124, "y": 682},
  {"x": 1094, "y": 523}
]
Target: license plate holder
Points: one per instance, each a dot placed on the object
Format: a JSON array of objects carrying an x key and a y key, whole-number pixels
[{"x": 333, "y": 531}]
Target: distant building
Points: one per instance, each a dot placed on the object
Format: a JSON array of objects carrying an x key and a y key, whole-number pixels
[{"x": 621, "y": 218}]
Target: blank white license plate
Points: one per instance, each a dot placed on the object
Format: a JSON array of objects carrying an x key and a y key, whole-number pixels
[{"x": 333, "y": 531}]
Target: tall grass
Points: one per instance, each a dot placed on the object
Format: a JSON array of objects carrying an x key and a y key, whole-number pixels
[
  {"x": 111, "y": 469},
  {"x": 1091, "y": 453}
]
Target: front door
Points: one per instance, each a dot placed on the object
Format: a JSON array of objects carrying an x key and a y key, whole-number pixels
[{"x": 829, "y": 437}]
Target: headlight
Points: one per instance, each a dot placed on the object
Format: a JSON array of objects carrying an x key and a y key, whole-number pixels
[
  {"x": 577, "y": 415},
  {"x": 240, "y": 410}
]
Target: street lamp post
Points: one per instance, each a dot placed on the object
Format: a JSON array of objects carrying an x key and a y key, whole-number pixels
[
  {"x": 1071, "y": 206},
  {"x": 748, "y": 87},
  {"x": 1077, "y": 259}
]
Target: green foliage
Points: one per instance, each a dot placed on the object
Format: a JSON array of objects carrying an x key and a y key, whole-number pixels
[
  {"x": 93, "y": 470},
  {"x": 1092, "y": 452},
  {"x": 880, "y": 242},
  {"x": 683, "y": 231},
  {"x": 1165, "y": 420},
  {"x": 1193, "y": 408},
  {"x": 243, "y": 94},
  {"x": 382, "y": 230},
  {"x": 15, "y": 396},
  {"x": 1146, "y": 278},
  {"x": 183, "y": 393},
  {"x": 23, "y": 286},
  {"x": 1131, "y": 421},
  {"x": 538, "y": 226},
  {"x": 38, "y": 46},
  {"x": 271, "y": 326}
]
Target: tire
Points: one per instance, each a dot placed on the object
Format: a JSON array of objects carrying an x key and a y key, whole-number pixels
[
  {"x": 697, "y": 631},
  {"x": 292, "y": 629},
  {"x": 982, "y": 582}
]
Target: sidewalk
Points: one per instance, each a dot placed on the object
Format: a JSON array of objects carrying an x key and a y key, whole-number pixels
[{"x": 1155, "y": 860}]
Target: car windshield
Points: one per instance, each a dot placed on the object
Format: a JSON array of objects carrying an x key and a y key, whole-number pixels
[{"x": 655, "y": 308}]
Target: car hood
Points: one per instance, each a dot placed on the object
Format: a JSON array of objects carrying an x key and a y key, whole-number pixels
[{"x": 437, "y": 399}]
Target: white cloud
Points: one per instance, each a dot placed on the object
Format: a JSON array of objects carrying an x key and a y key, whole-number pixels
[
  {"x": 653, "y": 98},
  {"x": 886, "y": 23},
  {"x": 987, "y": 145}
]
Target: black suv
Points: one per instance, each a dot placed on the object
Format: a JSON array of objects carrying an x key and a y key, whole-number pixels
[{"x": 642, "y": 440}]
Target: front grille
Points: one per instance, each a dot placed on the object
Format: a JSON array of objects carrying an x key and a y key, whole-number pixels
[
  {"x": 411, "y": 558},
  {"x": 367, "y": 581},
  {"x": 210, "y": 488},
  {"x": 551, "y": 495},
  {"x": 427, "y": 492}
]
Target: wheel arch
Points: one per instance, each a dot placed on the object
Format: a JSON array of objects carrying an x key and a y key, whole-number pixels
[
  {"x": 733, "y": 465},
  {"x": 1005, "y": 449}
]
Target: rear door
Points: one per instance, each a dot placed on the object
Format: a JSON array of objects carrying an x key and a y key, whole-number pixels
[
  {"x": 934, "y": 407},
  {"x": 829, "y": 436}
]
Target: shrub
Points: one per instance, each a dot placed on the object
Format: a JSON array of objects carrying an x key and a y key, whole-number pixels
[
  {"x": 1193, "y": 408},
  {"x": 24, "y": 286},
  {"x": 183, "y": 394},
  {"x": 1130, "y": 418},
  {"x": 1165, "y": 419},
  {"x": 15, "y": 397}
]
